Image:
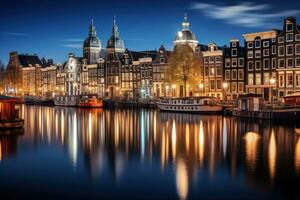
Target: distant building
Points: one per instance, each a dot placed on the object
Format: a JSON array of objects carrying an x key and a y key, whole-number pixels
[
  {"x": 234, "y": 70},
  {"x": 288, "y": 58},
  {"x": 92, "y": 46},
  {"x": 72, "y": 78},
  {"x": 114, "y": 54},
  {"x": 213, "y": 71},
  {"x": 186, "y": 36},
  {"x": 159, "y": 66},
  {"x": 23, "y": 74},
  {"x": 260, "y": 62},
  {"x": 49, "y": 74}
]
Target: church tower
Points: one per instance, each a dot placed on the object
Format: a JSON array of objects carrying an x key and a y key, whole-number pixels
[
  {"x": 115, "y": 43},
  {"x": 92, "y": 46},
  {"x": 186, "y": 36}
]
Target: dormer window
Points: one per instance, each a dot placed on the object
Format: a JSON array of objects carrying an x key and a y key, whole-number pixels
[
  {"x": 289, "y": 27},
  {"x": 257, "y": 43}
]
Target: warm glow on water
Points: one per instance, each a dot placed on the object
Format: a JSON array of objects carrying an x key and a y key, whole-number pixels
[
  {"x": 272, "y": 155},
  {"x": 182, "y": 182},
  {"x": 146, "y": 154},
  {"x": 297, "y": 156},
  {"x": 251, "y": 140}
]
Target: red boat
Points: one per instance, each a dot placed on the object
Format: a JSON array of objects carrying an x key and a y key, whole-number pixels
[
  {"x": 292, "y": 99},
  {"x": 90, "y": 101}
]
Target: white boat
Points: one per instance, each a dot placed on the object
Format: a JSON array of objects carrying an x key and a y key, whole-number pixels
[
  {"x": 190, "y": 104},
  {"x": 66, "y": 100}
]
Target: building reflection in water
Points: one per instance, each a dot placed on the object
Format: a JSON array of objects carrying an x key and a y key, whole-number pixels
[{"x": 112, "y": 139}]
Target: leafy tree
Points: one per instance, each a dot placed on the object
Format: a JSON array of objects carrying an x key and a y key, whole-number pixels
[{"x": 185, "y": 67}]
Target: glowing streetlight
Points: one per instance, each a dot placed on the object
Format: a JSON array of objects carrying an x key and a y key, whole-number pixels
[
  {"x": 225, "y": 86},
  {"x": 201, "y": 86},
  {"x": 180, "y": 34}
]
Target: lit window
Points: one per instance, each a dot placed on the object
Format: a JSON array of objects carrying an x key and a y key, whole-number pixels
[
  {"x": 241, "y": 74},
  {"x": 266, "y": 78},
  {"x": 241, "y": 87},
  {"x": 250, "y": 54},
  {"x": 257, "y": 54},
  {"x": 258, "y": 79},
  {"x": 250, "y": 79}
]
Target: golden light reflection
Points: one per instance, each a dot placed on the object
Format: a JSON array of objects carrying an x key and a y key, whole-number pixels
[
  {"x": 187, "y": 138},
  {"x": 272, "y": 155},
  {"x": 201, "y": 143},
  {"x": 251, "y": 140},
  {"x": 297, "y": 156},
  {"x": 182, "y": 179},
  {"x": 173, "y": 140},
  {"x": 0, "y": 151}
]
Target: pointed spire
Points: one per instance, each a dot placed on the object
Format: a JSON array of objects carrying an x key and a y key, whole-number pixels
[
  {"x": 92, "y": 31},
  {"x": 185, "y": 23},
  {"x": 115, "y": 32}
]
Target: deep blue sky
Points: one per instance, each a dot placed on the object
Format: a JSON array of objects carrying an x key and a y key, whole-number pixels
[{"x": 53, "y": 28}]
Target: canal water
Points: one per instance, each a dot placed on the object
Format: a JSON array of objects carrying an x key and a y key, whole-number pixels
[{"x": 71, "y": 153}]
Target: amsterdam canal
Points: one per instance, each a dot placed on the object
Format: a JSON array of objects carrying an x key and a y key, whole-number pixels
[{"x": 78, "y": 153}]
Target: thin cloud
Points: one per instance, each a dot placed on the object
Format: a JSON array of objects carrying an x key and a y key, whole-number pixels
[
  {"x": 14, "y": 34},
  {"x": 72, "y": 40},
  {"x": 245, "y": 14},
  {"x": 138, "y": 40},
  {"x": 75, "y": 46}
]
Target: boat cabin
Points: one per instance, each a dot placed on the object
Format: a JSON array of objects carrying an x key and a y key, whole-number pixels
[
  {"x": 250, "y": 102},
  {"x": 10, "y": 108},
  {"x": 292, "y": 99}
]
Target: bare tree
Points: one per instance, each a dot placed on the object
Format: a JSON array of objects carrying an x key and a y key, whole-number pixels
[{"x": 184, "y": 68}]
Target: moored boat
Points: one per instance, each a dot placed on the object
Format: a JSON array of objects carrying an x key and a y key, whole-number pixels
[
  {"x": 65, "y": 100},
  {"x": 90, "y": 101},
  {"x": 190, "y": 104},
  {"x": 35, "y": 100},
  {"x": 10, "y": 110}
]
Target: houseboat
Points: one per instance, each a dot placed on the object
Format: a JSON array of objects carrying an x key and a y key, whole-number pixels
[
  {"x": 90, "y": 101},
  {"x": 292, "y": 99},
  {"x": 37, "y": 100},
  {"x": 65, "y": 100},
  {"x": 190, "y": 105},
  {"x": 10, "y": 113}
]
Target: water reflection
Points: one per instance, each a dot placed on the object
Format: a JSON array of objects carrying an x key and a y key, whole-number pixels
[{"x": 194, "y": 147}]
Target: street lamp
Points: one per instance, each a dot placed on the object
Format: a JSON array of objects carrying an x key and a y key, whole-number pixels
[
  {"x": 225, "y": 86},
  {"x": 173, "y": 89},
  {"x": 272, "y": 82},
  {"x": 201, "y": 86}
]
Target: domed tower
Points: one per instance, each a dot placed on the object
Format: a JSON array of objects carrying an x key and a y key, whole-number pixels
[
  {"x": 186, "y": 36},
  {"x": 115, "y": 43},
  {"x": 92, "y": 46}
]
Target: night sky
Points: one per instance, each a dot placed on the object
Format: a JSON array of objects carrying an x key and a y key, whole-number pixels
[{"x": 54, "y": 28}]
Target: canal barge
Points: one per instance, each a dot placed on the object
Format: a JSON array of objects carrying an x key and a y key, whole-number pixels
[
  {"x": 65, "y": 100},
  {"x": 90, "y": 101},
  {"x": 10, "y": 113},
  {"x": 190, "y": 105}
]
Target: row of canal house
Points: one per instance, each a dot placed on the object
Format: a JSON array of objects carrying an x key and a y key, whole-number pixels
[{"x": 118, "y": 72}]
